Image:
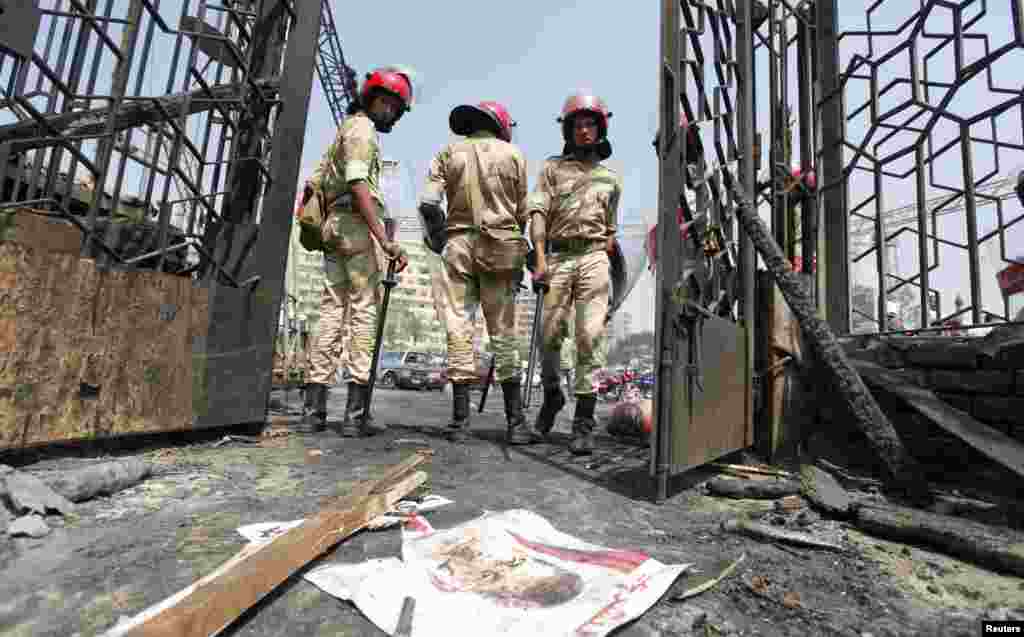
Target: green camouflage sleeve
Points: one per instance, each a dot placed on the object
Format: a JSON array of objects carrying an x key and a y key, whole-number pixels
[
  {"x": 523, "y": 192},
  {"x": 539, "y": 201},
  {"x": 359, "y": 149},
  {"x": 613, "y": 207},
  {"x": 434, "y": 188}
]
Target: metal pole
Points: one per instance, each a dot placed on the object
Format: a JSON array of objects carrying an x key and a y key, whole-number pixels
[
  {"x": 747, "y": 169},
  {"x": 971, "y": 208},
  {"x": 809, "y": 205},
  {"x": 833, "y": 179},
  {"x": 881, "y": 252},
  {"x": 669, "y": 190},
  {"x": 535, "y": 333},
  {"x": 275, "y": 230},
  {"x": 776, "y": 154},
  {"x": 389, "y": 282}
]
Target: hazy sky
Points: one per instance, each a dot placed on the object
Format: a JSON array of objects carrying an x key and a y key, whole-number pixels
[{"x": 529, "y": 55}]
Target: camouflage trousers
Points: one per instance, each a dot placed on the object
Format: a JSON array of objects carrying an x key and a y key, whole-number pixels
[
  {"x": 580, "y": 280},
  {"x": 348, "y": 308},
  {"x": 464, "y": 291}
]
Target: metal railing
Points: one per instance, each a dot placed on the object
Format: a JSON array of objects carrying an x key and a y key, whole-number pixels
[
  {"x": 147, "y": 111},
  {"x": 180, "y": 119}
]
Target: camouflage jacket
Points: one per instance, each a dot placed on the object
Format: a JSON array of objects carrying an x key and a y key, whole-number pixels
[
  {"x": 484, "y": 179},
  {"x": 578, "y": 199},
  {"x": 353, "y": 155}
]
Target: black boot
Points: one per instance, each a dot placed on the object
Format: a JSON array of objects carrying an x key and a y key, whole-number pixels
[
  {"x": 367, "y": 424},
  {"x": 518, "y": 432},
  {"x": 583, "y": 424},
  {"x": 554, "y": 400},
  {"x": 349, "y": 427},
  {"x": 314, "y": 410},
  {"x": 458, "y": 428}
]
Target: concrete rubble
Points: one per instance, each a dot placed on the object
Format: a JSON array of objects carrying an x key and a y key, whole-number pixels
[
  {"x": 32, "y": 525},
  {"x": 28, "y": 494}
]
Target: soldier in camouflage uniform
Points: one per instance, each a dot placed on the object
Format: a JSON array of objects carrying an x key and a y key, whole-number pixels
[
  {"x": 354, "y": 246},
  {"x": 483, "y": 250},
  {"x": 574, "y": 209}
]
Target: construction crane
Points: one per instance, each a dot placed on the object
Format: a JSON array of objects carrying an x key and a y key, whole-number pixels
[{"x": 337, "y": 78}]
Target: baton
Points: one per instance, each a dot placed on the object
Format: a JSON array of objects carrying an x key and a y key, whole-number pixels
[
  {"x": 494, "y": 359},
  {"x": 538, "y": 326},
  {"x": 389, "y": 282},
  {"x": 487, "y": 384}
]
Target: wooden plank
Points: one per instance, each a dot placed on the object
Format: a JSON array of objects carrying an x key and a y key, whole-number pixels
[
  {"x": 787, "y": 398},
  {"x": 214, "y": 602},
  {"x": 741, "y": 469},
  {"x": 86, "y": 353},
  {"x": 42, "y": 232},
  {"x": 987, "y": 440}
]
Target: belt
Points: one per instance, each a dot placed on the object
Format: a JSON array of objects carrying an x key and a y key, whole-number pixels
[{"x": 579, "y": 246}]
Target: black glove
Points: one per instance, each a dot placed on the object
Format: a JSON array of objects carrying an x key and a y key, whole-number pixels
[
  {"x": 437, "y": 240},
  {"x": 435, "y": 226}
]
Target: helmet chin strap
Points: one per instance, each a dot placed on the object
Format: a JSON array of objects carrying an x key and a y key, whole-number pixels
[
  {"x": 383, "y": 124},
  {"x": 587, "y": 151}
]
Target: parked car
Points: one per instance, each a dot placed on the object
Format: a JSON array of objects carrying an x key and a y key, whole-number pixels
[{"x": 409, "y": 370}]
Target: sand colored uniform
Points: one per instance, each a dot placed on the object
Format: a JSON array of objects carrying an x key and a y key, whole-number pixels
[
  {"x": 484, "y": 180},
  {"x": 352, "y": 258},
  {"x": 579, "y": 202}
]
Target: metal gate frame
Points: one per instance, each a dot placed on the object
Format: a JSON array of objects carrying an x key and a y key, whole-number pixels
[
  {"x": 827, "y": 222},
  {"x": 225, "y": 128},
  {"x": 687, "y": 391}
]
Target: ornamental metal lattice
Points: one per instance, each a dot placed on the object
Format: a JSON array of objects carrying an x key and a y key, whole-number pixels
[{"x": 932, "y": 141}]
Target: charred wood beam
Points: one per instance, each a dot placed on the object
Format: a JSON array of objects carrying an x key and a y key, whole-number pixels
[
  {"x": 139, "y": 112},
  {"x": 993, "y": 547},
  {"x": 866, "y": 413},
  {"x": 769, "y": 489}
]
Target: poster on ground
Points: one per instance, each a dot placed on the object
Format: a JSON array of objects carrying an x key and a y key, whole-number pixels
[{"x": 507, "y": 573}]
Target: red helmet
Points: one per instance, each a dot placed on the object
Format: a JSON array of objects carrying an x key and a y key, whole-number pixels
[
  {"x": 578, "y": 104},
  {"x": 809, "y": 179},
  {"x": 467, "y": 119},
  {"x": 584, "y": 103},
  {"x": 807, "y": 182},
  {"x": 389, "y": 81},
  {"x": 694, "y": 147}
]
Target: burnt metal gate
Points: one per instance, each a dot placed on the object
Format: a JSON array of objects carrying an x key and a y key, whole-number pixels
[
  {"x": 909, "y": 117},
  {"x": 162, "y": 141}
]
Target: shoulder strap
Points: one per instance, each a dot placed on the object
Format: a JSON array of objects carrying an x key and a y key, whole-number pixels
[{"x": 476, "y": 195}]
